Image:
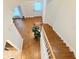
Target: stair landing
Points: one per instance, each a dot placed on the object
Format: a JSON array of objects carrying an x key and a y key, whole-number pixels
[{"x": 31, "y": 46}]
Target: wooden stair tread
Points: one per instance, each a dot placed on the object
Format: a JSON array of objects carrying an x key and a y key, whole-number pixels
[{"x": 59, "y": 48}]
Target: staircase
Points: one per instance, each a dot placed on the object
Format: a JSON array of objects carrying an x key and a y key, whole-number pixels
[{"x": 56, "y": 48}]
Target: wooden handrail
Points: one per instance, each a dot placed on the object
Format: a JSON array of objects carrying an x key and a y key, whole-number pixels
[{"x": 46, "y": 39}]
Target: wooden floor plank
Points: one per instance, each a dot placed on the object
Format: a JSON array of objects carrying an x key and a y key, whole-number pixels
[{"x": 31, "y": 46}]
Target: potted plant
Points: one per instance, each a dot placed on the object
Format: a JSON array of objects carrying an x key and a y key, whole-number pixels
[{"x": 36, "y": 31}]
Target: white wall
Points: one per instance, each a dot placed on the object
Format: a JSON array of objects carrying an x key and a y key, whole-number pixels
[
  {"x": 61, "y": 15},
  {"x": 44, "y": 10},
  {"x": 27, "y": 8},
  {"x": 10, "y": 32}
]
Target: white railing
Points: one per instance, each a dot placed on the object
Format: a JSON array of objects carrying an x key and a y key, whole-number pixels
[{"x": 44, "y": 53}]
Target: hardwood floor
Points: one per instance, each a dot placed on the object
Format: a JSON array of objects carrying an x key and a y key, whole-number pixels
[{"x": 31, "y": 46}]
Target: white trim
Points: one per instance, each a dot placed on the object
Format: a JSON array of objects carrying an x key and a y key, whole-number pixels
[
  {"x": 32, "y": 16},
  {"x": 19, "y": 50},
  {"x": 28, "y": 16},
  {"x": 11, "y": 44}
]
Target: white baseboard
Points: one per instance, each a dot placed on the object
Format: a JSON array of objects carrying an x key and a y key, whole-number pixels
[{"x": 32, "y": 16}]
